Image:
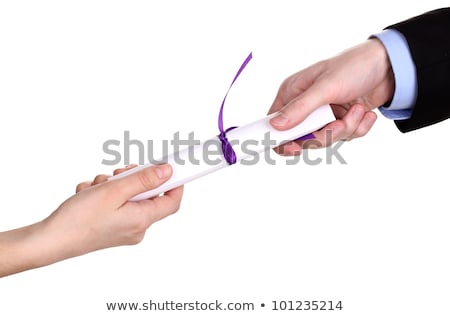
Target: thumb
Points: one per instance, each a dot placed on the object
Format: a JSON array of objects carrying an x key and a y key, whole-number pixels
[
  {"x": 299, "y": 108},
  {"x": 141, "y": 181}
]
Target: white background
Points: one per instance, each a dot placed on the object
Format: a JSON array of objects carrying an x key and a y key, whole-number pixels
[{"x": 372, "y": 233}]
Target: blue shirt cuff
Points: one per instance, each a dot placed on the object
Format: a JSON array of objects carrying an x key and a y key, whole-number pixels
[{"x": 404, "y": 69}]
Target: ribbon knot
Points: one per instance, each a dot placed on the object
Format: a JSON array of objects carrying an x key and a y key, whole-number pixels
[{"x": 227, "y": 150}]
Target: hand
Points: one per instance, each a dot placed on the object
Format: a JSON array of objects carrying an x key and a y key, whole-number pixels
[
  {"x": 98, "y": 216},
  {"x": 354, "y": 82}
]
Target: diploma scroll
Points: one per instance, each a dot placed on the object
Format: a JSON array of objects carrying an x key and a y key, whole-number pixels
[{"x": 248, "y": 140}]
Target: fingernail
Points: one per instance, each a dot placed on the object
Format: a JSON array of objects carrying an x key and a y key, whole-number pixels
[
  {"x": 280, "y": 120},
  {"x": 162, "y": 171}
]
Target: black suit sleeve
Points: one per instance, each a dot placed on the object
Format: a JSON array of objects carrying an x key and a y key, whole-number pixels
[{"x": 428, "y": 37}]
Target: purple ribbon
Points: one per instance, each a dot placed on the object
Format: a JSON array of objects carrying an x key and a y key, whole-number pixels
[
  {"x": 227, "y": 149},
  {"x": 306, "y": 137}
]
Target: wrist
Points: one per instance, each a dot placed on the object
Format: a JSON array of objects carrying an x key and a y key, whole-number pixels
[
  {"x": 386, "y": 88},
  {"x": 60, "y": 242}
]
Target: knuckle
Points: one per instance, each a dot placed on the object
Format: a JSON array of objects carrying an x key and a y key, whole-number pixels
[
  {"x": 148, "y": 179},
  {"x": 286, "y": 82},
  {"x": 79, "y": 187},
  {"x": 175, "y": 207},
  {"x": 312, "y": 144},
  {"x": 136, "y": 238},
  {"x": 117, "y": 171},
  {"x": 96, "y": 179},
  {"x": 140, "y": 227},
  {"x": 100, "y": 178},
  {"x": 297, "y": 104},
  {"x": 136, "y": 230},
  {"x": 366, "y": 125},
  {"x": 360, "y": 132}
]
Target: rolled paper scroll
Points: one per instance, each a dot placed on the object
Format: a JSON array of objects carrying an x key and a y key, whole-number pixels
[{"x": 247, "y": 141}]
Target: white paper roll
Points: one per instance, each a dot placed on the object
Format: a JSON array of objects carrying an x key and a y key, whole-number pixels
[{"x": 248, "y": 140}]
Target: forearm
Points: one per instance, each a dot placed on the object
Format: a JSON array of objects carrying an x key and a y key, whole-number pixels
[
  {"x": 31, "y": 247},
  {"x": 20, "y": 249}
]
